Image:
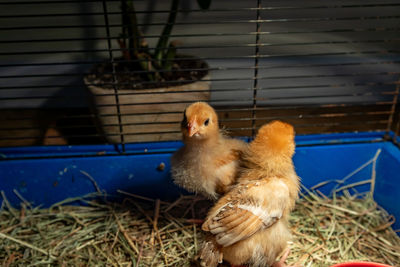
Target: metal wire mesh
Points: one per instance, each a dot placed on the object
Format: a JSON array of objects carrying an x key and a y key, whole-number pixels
[{"x": 323, "y": 66}]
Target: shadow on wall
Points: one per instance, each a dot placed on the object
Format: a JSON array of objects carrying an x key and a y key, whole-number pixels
[{"x": 302, "y": 62}]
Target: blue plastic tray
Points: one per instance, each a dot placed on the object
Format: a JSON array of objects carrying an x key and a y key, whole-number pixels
[{"x": 46, "y": 175}]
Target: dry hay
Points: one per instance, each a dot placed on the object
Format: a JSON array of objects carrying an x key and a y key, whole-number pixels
[
  {"x": 136, "y": 233},
  {"x": 145, "y": 232}
]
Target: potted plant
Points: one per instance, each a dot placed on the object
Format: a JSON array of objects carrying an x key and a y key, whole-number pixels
[{"x": 147, "y": 87}]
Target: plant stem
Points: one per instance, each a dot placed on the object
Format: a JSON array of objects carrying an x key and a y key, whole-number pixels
[
  {"x": 163, "y": 41},
  {"x": 130, "y": 27}
]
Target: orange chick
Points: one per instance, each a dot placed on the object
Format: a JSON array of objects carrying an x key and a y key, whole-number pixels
[
  {"x": 249, "y": 224},
  {"x": 208, "y": 161}
]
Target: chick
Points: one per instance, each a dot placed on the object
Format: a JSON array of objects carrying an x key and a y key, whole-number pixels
[
  {"x": 208, "y": 161},
  {"x": 249, "y": 224}
]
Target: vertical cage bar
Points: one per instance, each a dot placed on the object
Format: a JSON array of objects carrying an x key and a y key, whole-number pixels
[
  {"x": 255, "y": 78},
  {"x": 392, "y": 113},
  {"x": 396, "y": 129},
  {"x": 115, "y": 80}
]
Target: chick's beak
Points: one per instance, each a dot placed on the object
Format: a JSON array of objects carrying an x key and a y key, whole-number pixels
[{"x": 192, "y": 128}]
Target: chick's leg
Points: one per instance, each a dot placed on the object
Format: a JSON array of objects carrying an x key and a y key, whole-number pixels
[
  {"x": 210, "y": 253},
  {"x": 281, "y": 262}
]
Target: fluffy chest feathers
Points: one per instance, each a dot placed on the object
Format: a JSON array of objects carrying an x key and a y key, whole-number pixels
[{"x": 205, "y": 170}]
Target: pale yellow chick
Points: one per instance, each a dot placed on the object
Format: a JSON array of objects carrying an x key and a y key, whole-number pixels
[
  {"x": 208, "y": 161},
  {"x": 249, "y": 224}
]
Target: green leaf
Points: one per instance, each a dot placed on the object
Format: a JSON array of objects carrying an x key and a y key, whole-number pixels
[
  {"x": 204, "y": 4},
  {"x": 169, "y": 57},
  {"x": 162, "y": 44}
]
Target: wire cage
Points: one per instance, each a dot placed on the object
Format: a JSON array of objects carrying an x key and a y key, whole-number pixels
[
  {"x": 92, "y": 92},
  {"x": 66, "y": 93},
  {"x": 324, "y": 67}
]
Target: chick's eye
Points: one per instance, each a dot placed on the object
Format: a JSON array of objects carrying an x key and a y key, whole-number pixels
[{"x": 207, "y": 121}]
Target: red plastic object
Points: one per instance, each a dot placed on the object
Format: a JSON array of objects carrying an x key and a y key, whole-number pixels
[{"x": 360, "y": 264}]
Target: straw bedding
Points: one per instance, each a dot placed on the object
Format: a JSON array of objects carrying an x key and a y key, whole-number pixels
[{"x": 146, "y": 232}]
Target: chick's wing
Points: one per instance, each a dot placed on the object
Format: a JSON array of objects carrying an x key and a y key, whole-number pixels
[{"x": 256, "y": 207}]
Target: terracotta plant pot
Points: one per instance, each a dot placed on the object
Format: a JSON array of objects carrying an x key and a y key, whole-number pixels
[{"x": 139, "y": 107}]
